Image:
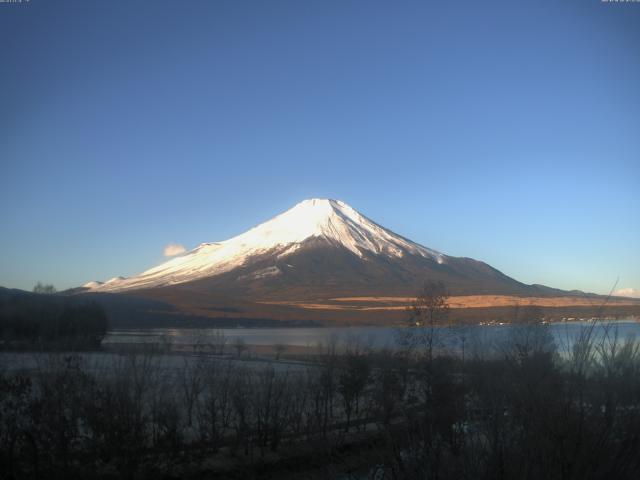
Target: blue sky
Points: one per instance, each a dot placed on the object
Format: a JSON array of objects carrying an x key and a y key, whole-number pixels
[{"x": 500, "y": 130}]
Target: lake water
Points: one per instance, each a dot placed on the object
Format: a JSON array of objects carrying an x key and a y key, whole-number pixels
[{"x": 564, "y": 333}]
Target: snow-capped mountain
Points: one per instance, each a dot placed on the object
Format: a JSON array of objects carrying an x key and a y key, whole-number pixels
[
  {"x": 332, "y": 221},
  {"x": 321, "y": 261},
  {"x": 319, "y": 249}
]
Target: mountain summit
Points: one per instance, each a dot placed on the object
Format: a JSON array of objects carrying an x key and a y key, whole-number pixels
[{"x": 334, "y": 221}]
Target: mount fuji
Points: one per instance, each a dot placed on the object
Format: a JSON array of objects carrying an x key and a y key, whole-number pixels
[
  {"x": 318, "y": 242},
  {"x": 321, "y": 259}
]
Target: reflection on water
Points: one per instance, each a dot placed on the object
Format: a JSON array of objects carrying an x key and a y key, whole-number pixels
[{"x": 376, "y": 337}]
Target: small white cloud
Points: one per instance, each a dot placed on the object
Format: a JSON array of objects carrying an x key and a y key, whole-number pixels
[
  {"x": 627, "y": 292},
  {"x": 174, "y": 249}
]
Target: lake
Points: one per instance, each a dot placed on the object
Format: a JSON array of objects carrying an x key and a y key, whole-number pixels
[{"x": 564, "y": 333}]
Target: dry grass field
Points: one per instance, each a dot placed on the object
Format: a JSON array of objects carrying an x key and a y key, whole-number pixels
[{"x": 457, "y": 302}]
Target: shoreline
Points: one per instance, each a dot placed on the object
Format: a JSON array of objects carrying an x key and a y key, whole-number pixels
[{"x": 327, "y": 326}]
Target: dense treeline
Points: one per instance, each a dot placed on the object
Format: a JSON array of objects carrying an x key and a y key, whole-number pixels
[
  {"x": 28, "y": 320},
  {"x": 522, "y": 407}
]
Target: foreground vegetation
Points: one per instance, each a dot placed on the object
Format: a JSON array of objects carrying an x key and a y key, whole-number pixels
[
  {"x": 42, "y": 320},
  {"x": 520, "y": 408}
]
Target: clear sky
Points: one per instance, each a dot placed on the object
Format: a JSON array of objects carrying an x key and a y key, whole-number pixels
[{"x": 500, "y": 130}]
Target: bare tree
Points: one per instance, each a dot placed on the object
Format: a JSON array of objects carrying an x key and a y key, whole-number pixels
[
  {"x": 240, "y": 346},
  {"x": 192, "y": 385},
  {"x": 215, "y": 406},
  {"x": 352, "y": 381},
  {"x": 280, "y": 348},
  {"x": 390, "y": 385},
  {"x": 219, "y": 342},
  {"x": 528, "y": 336},
  {"x": 428, "y": 312},
  {"x": 271, "y": 403},
  {"x": 46, "y": 289},
  {"x": 242, "y": 414}
]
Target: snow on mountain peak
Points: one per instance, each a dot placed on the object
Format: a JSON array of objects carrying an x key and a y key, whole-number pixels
[{"x": 331, "y": 220}]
